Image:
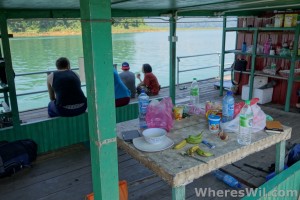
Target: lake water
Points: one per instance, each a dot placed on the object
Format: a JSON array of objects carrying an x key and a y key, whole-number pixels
[{"x": 40, "y": 53}]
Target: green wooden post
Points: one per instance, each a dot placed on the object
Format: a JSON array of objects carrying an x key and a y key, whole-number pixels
[
  {"x": 223, "y": 56},
  {"x": 97, "y": 50},
  {"x": 172, "y": 40},
  {"x": 9, "y": 71},
  {"x": 178, "y": 193},
  {"x": 292, "y": 69},
  {"x": 280, "y": 154},
  {"x": 253, "y": 63}
]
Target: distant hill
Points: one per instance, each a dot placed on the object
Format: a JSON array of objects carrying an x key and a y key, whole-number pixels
[{"x": 191, "y": 22}]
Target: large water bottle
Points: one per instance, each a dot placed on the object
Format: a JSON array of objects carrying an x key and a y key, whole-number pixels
[
  {"x": 194, "y": 92},
  {"x": 227, "y": 107},
  {"x": 246, "y": 120},
  {"x": 143, "y": 104},
  {"x": 229, "y": 180}
]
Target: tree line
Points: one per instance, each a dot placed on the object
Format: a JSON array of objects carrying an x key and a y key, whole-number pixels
[{"x": 53, "y": 25}]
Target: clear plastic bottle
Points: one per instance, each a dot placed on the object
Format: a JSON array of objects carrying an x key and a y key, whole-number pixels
[
  {"x": 246, "y": 120},
  {"x": 229, "y": 180},
  {"x": 194, "y": 92},
  {"x": 227, "y": 107},
  {"x": 143, "y": 104}
]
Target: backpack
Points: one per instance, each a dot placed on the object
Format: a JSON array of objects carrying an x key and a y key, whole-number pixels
[
  {"x": 16, "y": 155},
  {"x": 293, "y": 155}
]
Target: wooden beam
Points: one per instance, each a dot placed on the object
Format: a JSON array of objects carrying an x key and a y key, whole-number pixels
[{"x": 97, "y": 51}]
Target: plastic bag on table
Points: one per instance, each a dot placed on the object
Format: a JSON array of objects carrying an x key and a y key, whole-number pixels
[
  {"x": 159, "y": 114},
  {"x": 259, "y": 118}
]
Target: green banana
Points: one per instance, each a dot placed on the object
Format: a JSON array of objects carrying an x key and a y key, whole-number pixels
[
  {"x": 200, "y": 152},
  {"x": 194, "y": 139},
  {"x": 191, "y": 150},
  {"x": 180, "y": 144}
]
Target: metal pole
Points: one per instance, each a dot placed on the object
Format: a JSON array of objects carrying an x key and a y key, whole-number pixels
[
  {"x": 172, "y": 43},
  {"x": 223, "y": 56},
  {"x": 178, "y": 60},
  {"x": 98, "y": 61},
  {"x": 219, "y": 56}
]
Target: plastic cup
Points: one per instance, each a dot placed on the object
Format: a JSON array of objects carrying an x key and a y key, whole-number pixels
[
  {"x": 178, "y": 111},
  {"x": 214, "y": 123}
]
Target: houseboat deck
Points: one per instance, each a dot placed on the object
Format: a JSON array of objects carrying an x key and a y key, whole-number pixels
[{"x": 66, "y": 174}]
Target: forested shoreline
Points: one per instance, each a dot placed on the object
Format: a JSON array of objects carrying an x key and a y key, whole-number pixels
[{"x": 59, "y": 27}]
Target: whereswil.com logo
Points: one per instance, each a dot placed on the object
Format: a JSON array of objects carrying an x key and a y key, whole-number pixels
[{"x": 258, "y": 192}]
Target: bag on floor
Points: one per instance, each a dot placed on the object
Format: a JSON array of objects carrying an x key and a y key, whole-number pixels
[{"x": 16, "y": 155}]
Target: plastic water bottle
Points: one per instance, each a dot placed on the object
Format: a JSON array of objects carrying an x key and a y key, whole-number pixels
[
  {"x": 194, "y": 92},
  {"x": 228, "y": 107},
  {"x": 246, "y": 120},
  {"x": 143, "y": 104},
  {"x": 229, "y": 180}
]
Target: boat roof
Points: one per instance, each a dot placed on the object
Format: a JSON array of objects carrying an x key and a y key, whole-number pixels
[{"x": 147, "y": 7}]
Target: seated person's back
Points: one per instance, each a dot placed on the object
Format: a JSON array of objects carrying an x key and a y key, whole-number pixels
[
  {"x": 122, "y": 93},
  {"x": 66, "y": 95},
  {"x": 128, "y": 78}
]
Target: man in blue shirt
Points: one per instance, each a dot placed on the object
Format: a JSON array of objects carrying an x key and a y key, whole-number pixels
[{"x": 122, "y": 93}]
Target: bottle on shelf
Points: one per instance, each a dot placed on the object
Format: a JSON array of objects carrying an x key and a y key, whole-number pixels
[
  {"x": 229, "y": 180},
  {"x": 244, "y": 47},
  {"x": 267, "y": 46},
  {"x": 143, "y": 100},
  {"x": 5, "y": 106},
  {"x": 227, "y": 107},
  {"x": 245, "y": 128},
  {"x": 194, "y": 92}
]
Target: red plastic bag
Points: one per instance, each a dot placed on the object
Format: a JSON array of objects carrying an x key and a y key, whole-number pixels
[{"x": 159, "y": 114}]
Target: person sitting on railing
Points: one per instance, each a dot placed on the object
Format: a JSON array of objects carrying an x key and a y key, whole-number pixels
[
  {"x": 128, "y": 78},
  {"x": 150, "y": 83},
  {"x": 122, "y": 93},
  {"x": 66, "y": 95}
]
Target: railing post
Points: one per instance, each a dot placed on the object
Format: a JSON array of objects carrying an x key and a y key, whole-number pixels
[
  {"x": 172, "y": 43},
  {"x": 223, "y": 57},
  {"x": 178, "y": 60},
  {"x": 219, "y": 55}
]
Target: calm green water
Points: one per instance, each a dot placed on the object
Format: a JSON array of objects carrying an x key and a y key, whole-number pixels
[{"x": 39, "y": 53}]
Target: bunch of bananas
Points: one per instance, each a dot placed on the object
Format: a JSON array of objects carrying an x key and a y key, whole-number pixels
[
  {"x": 192, "y": 139},
  {"x": 199, "y": 151}
]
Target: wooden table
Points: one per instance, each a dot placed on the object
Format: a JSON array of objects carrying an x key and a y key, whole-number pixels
[{"x": 179, "y": 171}]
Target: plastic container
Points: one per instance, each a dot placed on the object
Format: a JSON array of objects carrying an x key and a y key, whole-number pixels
[
  {"x": 214, "y": 123},
  {"x": 245, "y": 128},
  {"x": 264, "y": 95},
  {"x": 143, "y": 104},
  {"x": 227, "y": 107},
  {"x": 244, "y": 47},
  {"x": 194, "y": 92},
  {"x": 229, "y": 180}
]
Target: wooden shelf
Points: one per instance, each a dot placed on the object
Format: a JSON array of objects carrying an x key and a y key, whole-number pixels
[
  {"x": 3, "y": 89},
  {"x": 261, "y": 29},
  {"x": 238, "y": 52},
  {"x": 261, "y": 73},
  {"x": 274, "y": 56}
]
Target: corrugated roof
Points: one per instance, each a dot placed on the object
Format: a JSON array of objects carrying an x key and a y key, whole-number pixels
[{"x": 206, "y": 6}]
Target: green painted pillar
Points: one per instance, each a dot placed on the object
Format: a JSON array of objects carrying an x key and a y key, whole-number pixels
[
  {"x": 98, "y": 61},
  {"x": 253, "y": 58},
  {"x": 292, "y": 69},
  {"x": 223, "y": 56},
  {"x": 9, "y": 71},
  {"x": 172, "y": 40}
]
